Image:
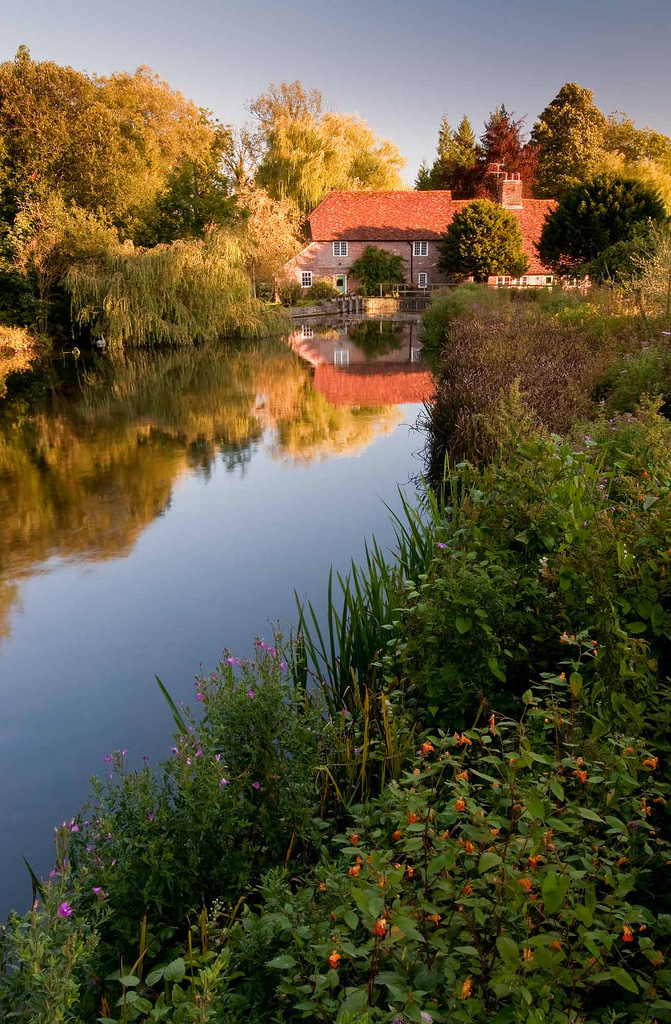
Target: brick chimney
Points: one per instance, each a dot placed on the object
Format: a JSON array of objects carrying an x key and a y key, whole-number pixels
[{"x": 509, "y": 191}]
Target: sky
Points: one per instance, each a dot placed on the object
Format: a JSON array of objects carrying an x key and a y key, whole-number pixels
[{"x": 399, "y": 65}]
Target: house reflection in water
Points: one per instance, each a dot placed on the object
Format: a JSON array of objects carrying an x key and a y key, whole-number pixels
[{"x": 365, "y": 363}]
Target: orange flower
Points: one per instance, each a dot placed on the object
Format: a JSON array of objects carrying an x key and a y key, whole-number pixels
[
  {"x": 627, "y": 934},
  {"x": 555, "y": 944},
  {"x": 412, "y": 817},
  {"x": 650, "y": 762},
  {"x": 621, "y": 861},
  {"x": 397, "y": 834},
  {"x": 525, "y": 883},
  {"x": 580, "y": 774},
  {"x": 534, "y": 861},
  {"x": 495, "y": 831},
  {"x": 382, "y": 881},
  {"x": 354, "y": 839},
  {"x": 460, "y": 804},
  {"x": 410, "y": 870},
  {"x": 642, "y": 927},
  {"x": 333, "y": 959},
  {"x": 380, "y": 926},
  {"x": 491, "y": 724},
  {"x": 427, "y": 748},
  {"x": 354, "y": 871},
  {"x": 467, "y": 889},
  {"x": 464, "y": 741},
  {"x": 463, "y": 776},
  {"x": 322, "y": 886},
  {"x": 657, "y": 959},
  {"x": 629, "y": 750},
  {"x": 466, "y": 988},
  {"x": 468, "y": 846},
  {"x": 562, "y": 675},
  {"x": 527, "y": 954},
  {"x": 435, "y": 918}
]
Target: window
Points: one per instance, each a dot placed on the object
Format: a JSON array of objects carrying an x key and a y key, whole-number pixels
[
  {"x": 524, "y": 280},
  {"x": 307, "y": 332},
  {"x": 415, "y": 355},
  {"x": 422, "y": 280},
  {"x": 341, "y": 357},
  {"x": 420, "y": 248},
  {"x": 306, "y": 279},
  {"x": 549, "y": 279},
  {"x": 341, "y": 248}
]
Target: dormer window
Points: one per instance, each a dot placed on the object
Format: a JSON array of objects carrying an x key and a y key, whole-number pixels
[
  {"x": 341, "y": 249},
  {"x": 420, "y": 248}
]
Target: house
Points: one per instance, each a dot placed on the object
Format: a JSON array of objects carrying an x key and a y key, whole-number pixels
[{"x": 409, "y": 223}]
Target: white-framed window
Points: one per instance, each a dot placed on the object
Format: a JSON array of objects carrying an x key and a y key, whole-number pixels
[
  {"x": 341, "y": 357},
  {"x": 549, "y": 279},
  {"x": 415, "y": 355},
  {"x": 420, "y": 248},
  {"x": 341, "y": 248},
  {"x": 306, "y": 279},
  {"x": 422, "y": 280},
  {"x": 524, "y": 280},
  {"x": 307, "y": 332}
]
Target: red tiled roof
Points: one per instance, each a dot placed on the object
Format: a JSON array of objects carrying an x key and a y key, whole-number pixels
[
  {"x": 412, "y": 215},
  {"x": 381, "y": 216}
]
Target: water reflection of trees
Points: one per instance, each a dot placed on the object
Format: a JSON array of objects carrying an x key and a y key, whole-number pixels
[{"x": 82, "y": 474}]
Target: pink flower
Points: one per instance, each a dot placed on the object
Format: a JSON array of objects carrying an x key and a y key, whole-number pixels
[
  {"x": 441, "y": 545},
  {"x": 283, "y": 665},
  {"x": 65, "y": 910},
  {"x": 224, "y": 782},
  {"x": 256, "y": 785},
  {"x": 251, "y": 694}
]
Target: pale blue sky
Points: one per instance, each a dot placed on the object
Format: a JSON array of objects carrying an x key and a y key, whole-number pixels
[{"x": 400, "y": 65}]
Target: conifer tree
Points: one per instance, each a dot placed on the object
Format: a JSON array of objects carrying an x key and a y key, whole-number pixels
[{"x": 569, "y": 135}]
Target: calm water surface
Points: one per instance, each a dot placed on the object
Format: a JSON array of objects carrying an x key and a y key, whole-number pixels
[{"x": 157, "y": 508}]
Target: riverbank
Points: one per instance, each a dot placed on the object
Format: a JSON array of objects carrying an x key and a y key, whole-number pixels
[{"x": 18, "y": 351}]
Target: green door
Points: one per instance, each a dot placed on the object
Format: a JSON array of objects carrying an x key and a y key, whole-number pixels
[{"x": 340, "y": 283}]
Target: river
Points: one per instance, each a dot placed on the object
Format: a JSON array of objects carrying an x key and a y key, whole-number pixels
[{"x": 159, "y": 507}]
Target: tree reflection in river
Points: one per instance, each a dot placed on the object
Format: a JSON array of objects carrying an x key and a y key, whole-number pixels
[{"x": 85, "y": 470}]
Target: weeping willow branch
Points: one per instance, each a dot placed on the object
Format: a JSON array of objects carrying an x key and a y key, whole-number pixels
[{"x": 192, "y": 290}]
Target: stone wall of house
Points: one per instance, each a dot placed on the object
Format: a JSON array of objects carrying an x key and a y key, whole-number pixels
[{"x": 318, "y": 258}]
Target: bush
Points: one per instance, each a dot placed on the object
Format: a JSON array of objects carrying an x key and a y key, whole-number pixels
[
  {"x": 509, "y": 875},
  {"x": 290, "y": 292},
  {"x": 237, "y": 796},
  {"x": 376, "y": 268},
  {"x": 322, "y": 289},
  {"x": 483, "y": 239}
]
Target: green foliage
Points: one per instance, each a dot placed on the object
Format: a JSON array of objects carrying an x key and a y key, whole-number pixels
[
  {"x": 237, "y": 796},
  {"x": 621, "y": 262},
  {"x": 377, "y": 267},
  {"x": 376, "y": 338},
  {"x": 192, "y": 290},
  {"x": 569, "y": 136},
  {"x": 488, "y": 883},
  {"x": 483, "y": 239},
  {"x": 290, "y": 292},
  {"x": 321, "y": 289},
  {"x": 593, "y": 217},
  {"x": 307, "y": 151}
]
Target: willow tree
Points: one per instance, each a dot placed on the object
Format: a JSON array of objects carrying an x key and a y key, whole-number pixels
[
  {"x": 191, "y": 290},
  {"x": 307, "y": 151}
]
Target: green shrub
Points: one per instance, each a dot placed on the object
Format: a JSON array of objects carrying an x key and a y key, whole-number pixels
[
  {"x": 510, "y": 875},
  {"x": 237, "y": 796},
  {"x": 482, "y": 239},
  {"x": 377, "y": 268},
  {"x": 290, "y": 292},
  {"x": 322, "y": 289}
]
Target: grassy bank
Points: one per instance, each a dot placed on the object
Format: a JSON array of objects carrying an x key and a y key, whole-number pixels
[{"x": 446, "y": 802}]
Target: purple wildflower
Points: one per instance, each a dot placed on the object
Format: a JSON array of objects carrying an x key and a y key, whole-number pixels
[
  {"x": 256, "y": 785},
  {"x": 217, "y": 757},
  {"x": 65, "y": 910},
  {"x": 231, "y": 660},
  {"x": 150, "y": 816},
  {"x": 108, "y": 758},
  {"x": 283, "y": 665},
  {"x": 224, "y": 782},
  {"x": 441, "y": 545},
  {"x": 251, "y": 694}
]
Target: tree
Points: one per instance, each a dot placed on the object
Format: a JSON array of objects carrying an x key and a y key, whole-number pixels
[
  {"x": 457, "y": 154},
  {"x": 423, "y": 179},
  {"x": 376, "y": 267},
  {"x": 306, "y": 151},
  {"x": 273, "y": 227},
  {"x": 569, "y": 135},
  {"x": 503, "y": 142},
  {"x": 483, "y": 239},
  {"x": 592, "y": 217}
]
